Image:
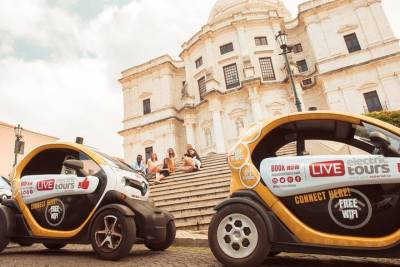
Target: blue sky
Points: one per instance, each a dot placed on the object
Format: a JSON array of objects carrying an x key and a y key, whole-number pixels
[{"x": 60, "y": 59}]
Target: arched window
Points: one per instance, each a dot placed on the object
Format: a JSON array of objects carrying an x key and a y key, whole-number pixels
[
  {"x": 208, "y": 136},
  {"x": 239, "y": 126}
]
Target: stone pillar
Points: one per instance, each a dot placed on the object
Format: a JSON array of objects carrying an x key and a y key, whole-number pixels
[
  {"x": 167, "y": 86},
  {"x": 255, "y": 104},
  {"x": 190, "y": 139},
  {"x": 317, "y": 40},
  {"x": 243, "y": 39},
  {"x": 382, "y": 21},
  {"x": 368, "y": 25},
  {"x": 218, "y": 132},
  {"x": 211, "y": 65}
]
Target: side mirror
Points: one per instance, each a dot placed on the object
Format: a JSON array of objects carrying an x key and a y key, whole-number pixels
[
  {"x": 379, "y": 139},
  {"x": 73, "y": 164}
]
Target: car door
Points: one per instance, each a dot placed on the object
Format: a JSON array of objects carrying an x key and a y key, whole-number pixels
[
  {"x": 343, "y": 182},
  {"x": 60, "y": 198}
]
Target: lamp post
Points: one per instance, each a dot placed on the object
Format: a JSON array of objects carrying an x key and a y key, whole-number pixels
[
  {"x": 281, "y": 38},
  {"x": 17, "y": 146}
]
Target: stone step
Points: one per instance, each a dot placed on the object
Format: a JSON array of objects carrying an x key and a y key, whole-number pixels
[
  {"x": 179, "y": 174},
  {"x": 211, "y": 190},
  {"x": 191, "y": 199},
  {"x": 193, "y": 213},
  {"x": 221, "y": 182},
  {"x": 192, "y": 185},
  {"x": 205, "y": 176},
  {"x": 212, "y": 166},
  {"x": 194, "y": 205},
  {"x": 194, "y": 224}
]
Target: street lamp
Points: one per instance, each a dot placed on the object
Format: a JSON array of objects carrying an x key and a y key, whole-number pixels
[
  {"x": 282, "y": 40},
  {"x": 18, "y": 147}
]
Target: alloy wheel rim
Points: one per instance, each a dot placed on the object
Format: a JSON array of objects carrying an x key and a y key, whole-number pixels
[
  {"x": 237, "y": 236},
  {"x": 109, "y": 238}
]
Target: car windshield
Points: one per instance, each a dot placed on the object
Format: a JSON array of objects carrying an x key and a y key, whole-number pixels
[
  {"x": 115, "y": 162},
  {"x": 4, "y": 183},
  {"x": 363, "y": 132}
]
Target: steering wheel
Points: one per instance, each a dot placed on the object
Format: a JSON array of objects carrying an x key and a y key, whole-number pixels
[
  {"x": 380, "y": 141},
  {"x": 66, "y": 170}
]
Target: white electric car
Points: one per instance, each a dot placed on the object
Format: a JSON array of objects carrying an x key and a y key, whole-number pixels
[{"x": 67, "y": 193}]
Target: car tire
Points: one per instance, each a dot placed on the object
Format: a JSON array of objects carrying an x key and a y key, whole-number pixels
[
  {"x": 238, "y": 236},
  {"x": 170, "y": 238},
  {"x": 54, "y": 246},
  {"x": 112, "y": 235},
  {"x": 4, "y": 241}
]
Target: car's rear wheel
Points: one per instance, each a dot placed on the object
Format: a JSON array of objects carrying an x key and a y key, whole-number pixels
[
  {"x": 54, "y": 246},
  {"x": 238, "y": 236},
  {"x": 113, "y": 235},
  {"x": 159, "y": 246}
]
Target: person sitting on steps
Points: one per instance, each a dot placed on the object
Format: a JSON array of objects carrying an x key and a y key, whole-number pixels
[
  {"x": 191, "y": 160},
  {"x": 138, "y": 165},
  {"x": 172, "y": 160},
  {"x": 154, "y": 166},
  {"x": 165, "y": 171}
]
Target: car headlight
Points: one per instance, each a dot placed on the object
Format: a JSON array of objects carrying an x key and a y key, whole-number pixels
[{"x": 141, "y": 186}]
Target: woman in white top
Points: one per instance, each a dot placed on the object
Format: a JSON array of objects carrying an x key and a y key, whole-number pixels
[{"x": 154, "y": 166}]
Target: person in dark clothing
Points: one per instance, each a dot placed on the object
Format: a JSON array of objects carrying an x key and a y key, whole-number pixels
[
  {"x": 191, "y": 160},
  {"x": 164, "y": 171}
]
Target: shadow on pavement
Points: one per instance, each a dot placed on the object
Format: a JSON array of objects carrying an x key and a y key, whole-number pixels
[{"x": 315, "y": 260}]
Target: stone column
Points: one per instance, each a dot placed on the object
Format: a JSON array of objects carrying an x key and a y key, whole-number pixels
[
  {"x": 317, "y": 40},
  {"x": 368, "y": 25},
  {"x": 190, "y": 137},
  {"x": 255, "y": 104},
  {"x": 382, "y": 21},
  {"x": 218, "y": 132}
]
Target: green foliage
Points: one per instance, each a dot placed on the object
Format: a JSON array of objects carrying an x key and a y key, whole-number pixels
[{"x": 392, "y": 117}]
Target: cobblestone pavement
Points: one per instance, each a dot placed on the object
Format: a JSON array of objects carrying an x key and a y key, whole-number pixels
[{"x": 77, "y": 255}]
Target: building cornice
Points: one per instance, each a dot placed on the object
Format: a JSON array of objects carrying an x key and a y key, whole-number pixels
[
  {"x": 150, "y": 124},
  {"x": 151, "y": 66},
  {"x": 208, "y": 31},
  {"x": 369, "y": 62}
]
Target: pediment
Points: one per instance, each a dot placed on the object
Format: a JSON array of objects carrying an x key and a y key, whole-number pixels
[
  {"x": 148, "y": 143},
  {"x": 368, "y": 85},
  {"x": 145, "y": 95},
  {"x": 347, "y": 28}
]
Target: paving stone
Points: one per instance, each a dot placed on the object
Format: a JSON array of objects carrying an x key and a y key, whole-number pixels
[{"x": 81, "y": 255}]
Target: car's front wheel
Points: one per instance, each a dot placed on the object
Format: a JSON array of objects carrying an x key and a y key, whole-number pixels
[
  {"x": 238, "y": 236},
  {"x": 113, "y": 235}
]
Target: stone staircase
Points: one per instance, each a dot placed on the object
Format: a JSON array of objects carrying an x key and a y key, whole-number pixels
[{"x": 191, "y": 197}]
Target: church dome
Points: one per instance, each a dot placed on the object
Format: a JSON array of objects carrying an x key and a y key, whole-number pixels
[{"x": 226, "y": 8}]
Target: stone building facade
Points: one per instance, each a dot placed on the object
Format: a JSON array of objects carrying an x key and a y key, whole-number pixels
[{"x": 231, "y": 74}]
